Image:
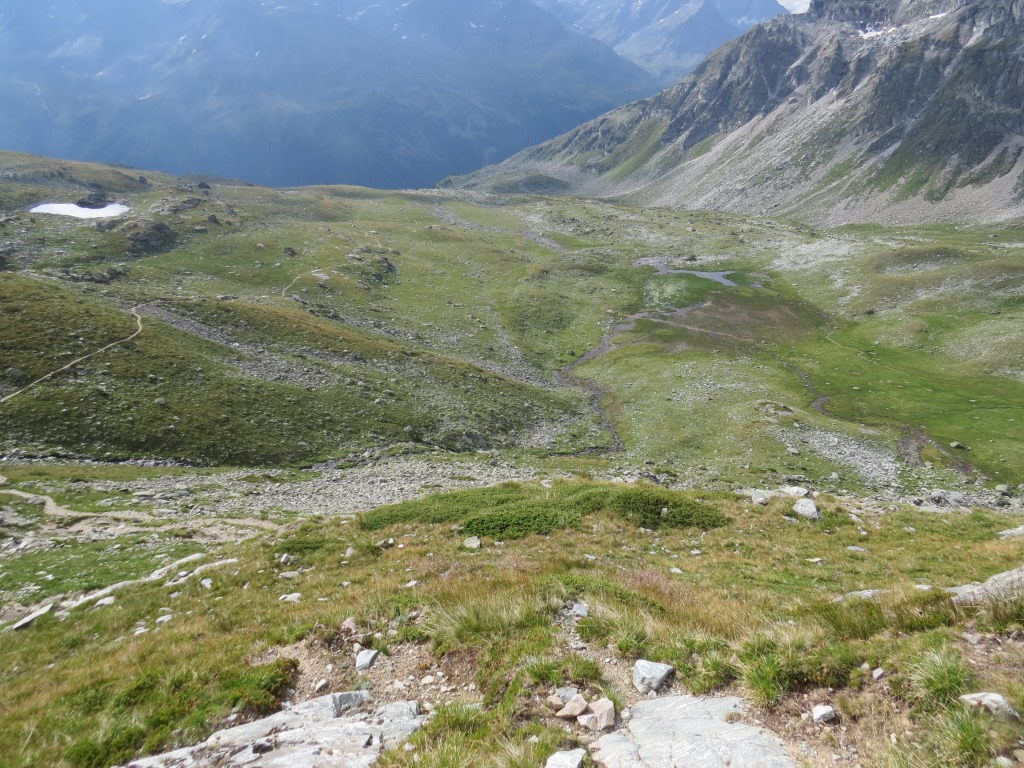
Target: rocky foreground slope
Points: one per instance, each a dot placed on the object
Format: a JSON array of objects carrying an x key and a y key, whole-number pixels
[{"x": 884, "y": 111}]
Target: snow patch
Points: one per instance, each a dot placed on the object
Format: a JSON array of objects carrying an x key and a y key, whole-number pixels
[{"x": 78, "y": 212}]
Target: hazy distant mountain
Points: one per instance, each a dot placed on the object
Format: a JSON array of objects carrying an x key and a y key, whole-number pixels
[
  {"x": 666, "y": 37},
  {"x": 389, "y": 94},
  {"x": 858, "y": 110}
]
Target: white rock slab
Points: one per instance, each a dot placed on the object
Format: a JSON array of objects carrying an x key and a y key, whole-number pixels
[
  {"x": 993, "y": 703},
  {"x": 690, "y": 732},
  {"x": 307, "y": 736},
  {"x": 366, "y": 659},
  {"x": 823, "y": 713},
  {"x": 21, "y": 624}
]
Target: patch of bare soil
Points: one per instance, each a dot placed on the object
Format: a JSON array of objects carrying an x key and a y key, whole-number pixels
[{"x": 401, "y": 672}]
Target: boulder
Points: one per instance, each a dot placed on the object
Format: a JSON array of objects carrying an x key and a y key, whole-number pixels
[
  {"x": 1008, "y": 584},
  {"x": 650, "y": 675},
  {"x": 472, "y": 542},
  {"x": 807, "y": 508},
  {"x": 601, "y": 716}
]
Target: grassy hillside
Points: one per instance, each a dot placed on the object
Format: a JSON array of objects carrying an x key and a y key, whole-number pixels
[
  {"x": 734, "y": 595},
  {"x": 290, "y": 326}
]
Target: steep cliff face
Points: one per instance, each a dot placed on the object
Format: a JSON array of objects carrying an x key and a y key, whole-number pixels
[{"x": 856, "y": 110}]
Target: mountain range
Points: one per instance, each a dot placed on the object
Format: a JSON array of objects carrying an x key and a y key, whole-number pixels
[
  {"x": 666, "y": 37},
  {"x": 387, "y": 94},
  {"x": 897, "y": 112}
]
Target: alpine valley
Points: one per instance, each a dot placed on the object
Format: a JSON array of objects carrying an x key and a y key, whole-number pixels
[{"x": 696, "y": 431}]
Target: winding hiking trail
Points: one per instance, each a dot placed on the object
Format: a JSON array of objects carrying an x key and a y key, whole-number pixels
[
  {"x": 144, "y": 520},
  {"x": 138, "y": 322}
]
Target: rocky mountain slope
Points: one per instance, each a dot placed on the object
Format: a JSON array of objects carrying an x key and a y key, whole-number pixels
[
  {"x": 386, "y": 94},
  {"x": 666, "y": 37},
  {"x": 854, "y": 111}
]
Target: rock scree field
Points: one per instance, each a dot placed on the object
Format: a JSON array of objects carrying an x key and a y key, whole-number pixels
[{"x": 333, "y": 476}]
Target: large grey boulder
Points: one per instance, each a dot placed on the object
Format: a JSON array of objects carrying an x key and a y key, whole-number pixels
[
  {"x": 306, "y": 736},
  {"x": 1002, "y": 586},
  {"x": 650, "y": 675},
  {"x": 807, "y": 508},
  {"x": 690, "y": 732}
]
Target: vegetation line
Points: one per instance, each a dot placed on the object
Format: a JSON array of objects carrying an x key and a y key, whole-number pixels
[{"x": 51, "y": 374}]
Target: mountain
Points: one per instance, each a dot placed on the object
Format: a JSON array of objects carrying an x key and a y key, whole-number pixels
[
  {"x": 886, "y": 111},
  {"x": 389, "y": 94},
  {"x": 666, "y": 37}
]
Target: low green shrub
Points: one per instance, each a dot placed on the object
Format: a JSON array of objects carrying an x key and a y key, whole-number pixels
[
  {"x": 521, "y": 520},
  {"x": 923, "y": 611},
  {"x": 657, "y": 507},
  {"x": 258, "y": 690},
  {"x": 444, "y": 507}
]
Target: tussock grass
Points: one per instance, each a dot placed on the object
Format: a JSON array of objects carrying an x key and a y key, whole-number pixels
[{"x": 749, "y": 611}]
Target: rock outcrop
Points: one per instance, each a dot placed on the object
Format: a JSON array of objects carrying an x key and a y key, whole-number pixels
[
  {"x": 304, "y": 736},
  {"x": 693, "y": 732}
]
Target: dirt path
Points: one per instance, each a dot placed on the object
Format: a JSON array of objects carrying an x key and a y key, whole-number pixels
[
  {"x": 52, "y": 509},
  {"x": 51, "y": 374}
]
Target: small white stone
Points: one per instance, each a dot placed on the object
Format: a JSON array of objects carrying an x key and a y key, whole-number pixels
[
  {"x": 366, "y": 659},
  {"x": 823, "y": 713}
]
